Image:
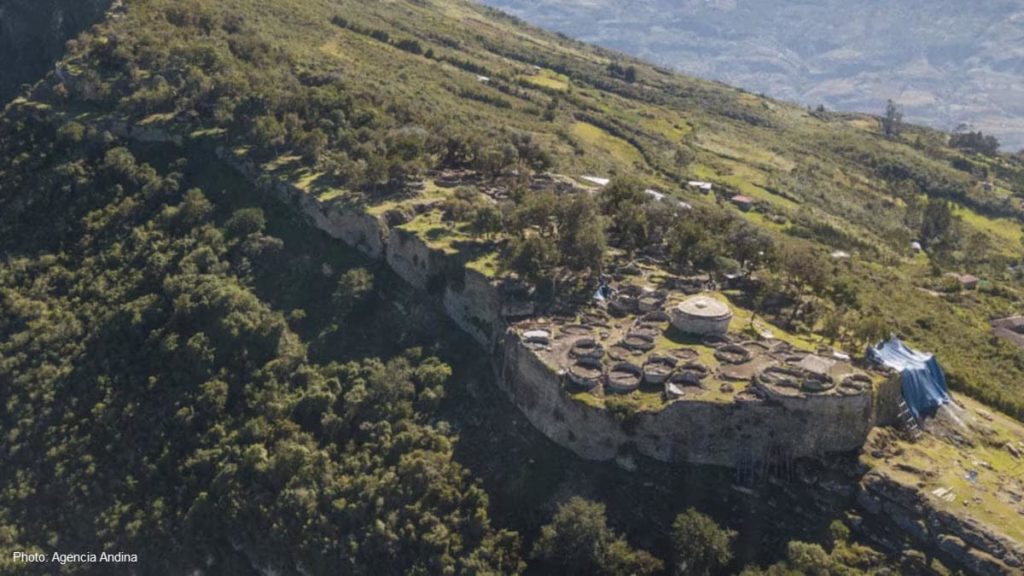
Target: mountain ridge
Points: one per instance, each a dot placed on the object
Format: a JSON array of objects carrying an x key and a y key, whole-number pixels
[{"x": 328, "y": 101}]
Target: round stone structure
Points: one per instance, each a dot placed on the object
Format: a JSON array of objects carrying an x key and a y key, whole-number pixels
[{"x": 702, "y": 316}]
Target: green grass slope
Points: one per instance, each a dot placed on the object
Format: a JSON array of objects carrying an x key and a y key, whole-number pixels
[{"x": 346, "y": 98}]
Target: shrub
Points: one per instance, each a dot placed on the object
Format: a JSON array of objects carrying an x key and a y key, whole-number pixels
[
  {"x": 411, "y": 46},
  {"x": 246, "y": 221}
]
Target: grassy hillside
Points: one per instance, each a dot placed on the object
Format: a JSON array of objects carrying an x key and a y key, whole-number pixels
[{"x": 352, "y": 100}]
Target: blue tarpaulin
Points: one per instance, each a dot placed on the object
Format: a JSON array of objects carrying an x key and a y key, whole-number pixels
[{"x": 922, "y": 380}]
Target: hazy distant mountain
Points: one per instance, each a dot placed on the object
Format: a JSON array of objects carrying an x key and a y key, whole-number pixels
[{"x": 947, "y": 61}]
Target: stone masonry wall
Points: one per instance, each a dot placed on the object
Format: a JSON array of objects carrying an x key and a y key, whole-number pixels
[
  {"x": 474, "y": 304},
  {"x": 412, "y": 259},
  {"x": 696, "y": 432}
]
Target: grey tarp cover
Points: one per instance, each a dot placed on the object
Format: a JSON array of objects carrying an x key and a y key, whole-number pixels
[{"x": 922, "y": 381}]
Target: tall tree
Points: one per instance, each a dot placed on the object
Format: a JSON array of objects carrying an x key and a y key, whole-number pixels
[
  {"x": 581, "y": 230},
  {"x": 699, "y": 545},
  {"x": 936, "y": 222},
  {"x": 892, "y": 122},
  {"x": 579, "y": 541},
  {"x": 623, "y": 201}
]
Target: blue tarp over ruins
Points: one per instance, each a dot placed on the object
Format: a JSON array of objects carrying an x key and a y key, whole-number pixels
[{"x": 922, "y": 381}]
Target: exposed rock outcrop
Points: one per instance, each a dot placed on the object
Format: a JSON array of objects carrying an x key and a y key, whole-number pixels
[
  {"x": 33, "y": 33},
  {"x": 968, "y": 542}
]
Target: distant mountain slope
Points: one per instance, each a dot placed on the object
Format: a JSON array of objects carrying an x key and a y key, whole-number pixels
[
  {"x": 947, "y": 63},
  {"x": 32, "y": 36}
]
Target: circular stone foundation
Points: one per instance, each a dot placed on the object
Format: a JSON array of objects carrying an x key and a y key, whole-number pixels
[
  {"x": 703, "y": 316},
  {"x": 684, "y": 354},
  {"x": 586, "y": 373},
  {"x": 620, "y": 353},
  {"x": 733, "y": 354},
  {"x": 624, "y": 378},
  {"x": 691, "y": 374},
  {"x": 587, "y": 348},
  {"x": 638, "y": 341},
  {"x": 855, "y": 384},
  {"x": 658, "y": 368}
]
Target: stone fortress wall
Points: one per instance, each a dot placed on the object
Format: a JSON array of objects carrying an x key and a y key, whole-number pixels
[
  {"x": 683, "y": 431},
  {"x": 722, "y": 434},
  {"x": 714, "y": 433}
]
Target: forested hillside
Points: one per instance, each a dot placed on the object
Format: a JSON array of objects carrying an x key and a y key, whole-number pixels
[
  {"x": 352, "y": 102},
  {"x": 189, "y": 376},
  {"x": 191, "y": 372},
  {"x": 155, "y": 392}
]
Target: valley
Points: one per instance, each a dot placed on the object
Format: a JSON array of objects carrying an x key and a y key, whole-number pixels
[{"x": 947, "y": 67}]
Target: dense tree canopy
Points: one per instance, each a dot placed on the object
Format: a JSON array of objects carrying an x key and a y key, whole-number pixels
[
  {"x": 174, "y": 413},
  {"x": 976, "y": 142},
  {"x": 579, "y": 541},
  {"x": 551, "y": 233}
]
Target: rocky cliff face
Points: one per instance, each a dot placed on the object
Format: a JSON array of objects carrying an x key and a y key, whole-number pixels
[
  {"x": 967, "y": 542},
  {"x": 33, "y": 33}
]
